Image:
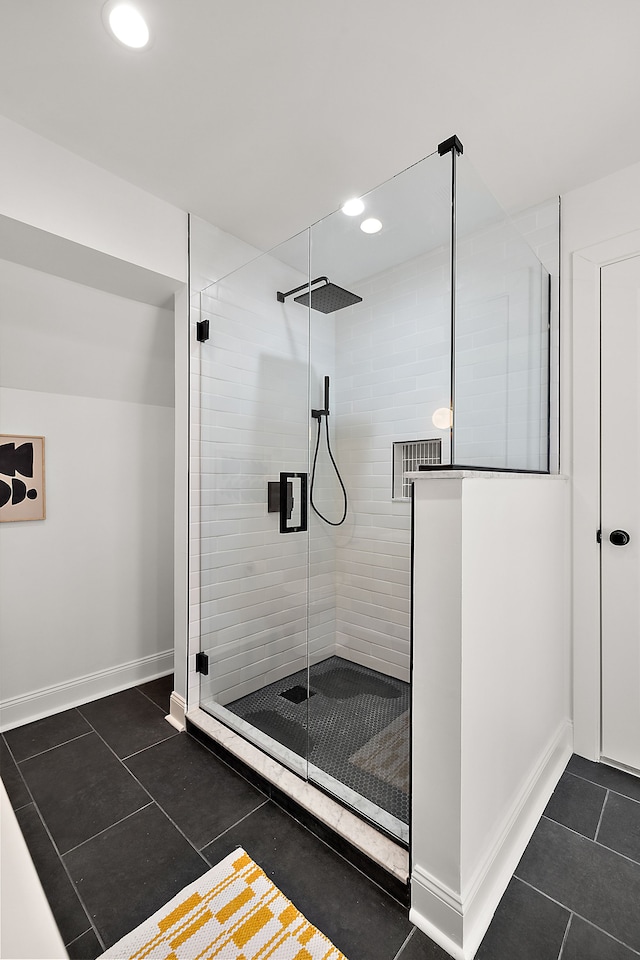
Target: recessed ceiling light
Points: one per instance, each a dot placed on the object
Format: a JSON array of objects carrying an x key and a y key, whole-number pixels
[
  {"x": 127, "y": 24},
  {"x": 353, "y": 207},
  {"x": 371, "y": 225}
]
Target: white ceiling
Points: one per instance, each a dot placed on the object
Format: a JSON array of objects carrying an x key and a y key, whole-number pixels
[{"x": 262, "y": 116}]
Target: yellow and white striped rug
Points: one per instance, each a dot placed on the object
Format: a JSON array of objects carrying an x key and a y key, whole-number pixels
[{"x": 232, "y": 912}]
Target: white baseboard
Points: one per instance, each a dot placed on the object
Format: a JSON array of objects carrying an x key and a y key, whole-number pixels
[
  {"x": 72, "y": 693},
  {"x": 177, "y": 711},
  {"x": 458, "y": 923},
  {"x": 443, "y": 915}
]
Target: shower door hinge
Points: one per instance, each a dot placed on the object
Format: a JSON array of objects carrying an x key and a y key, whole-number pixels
[
  {"x": 202, "y": 664},
  {"x": 202, "y": 331}
]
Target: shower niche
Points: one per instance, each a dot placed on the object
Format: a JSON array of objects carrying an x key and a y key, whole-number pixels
[{"x": 324, "y": 355}]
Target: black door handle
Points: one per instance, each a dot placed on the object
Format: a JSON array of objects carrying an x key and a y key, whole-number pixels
[
  {"x": 620, "y": 538},
  {"x": 293, "y": 507}
]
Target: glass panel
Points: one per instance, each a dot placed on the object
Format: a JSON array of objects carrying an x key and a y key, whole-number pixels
[
  {"x": 502, "y": 337},
  {"x": 254, "y": 544},
  {"x": 387, "y": 360}
]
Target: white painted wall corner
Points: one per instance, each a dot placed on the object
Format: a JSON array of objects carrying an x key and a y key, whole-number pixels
[
  {"x": 458, "y": 923},
  {"x": 177, "y": 711},
  {"x": 46, "y": 701}
]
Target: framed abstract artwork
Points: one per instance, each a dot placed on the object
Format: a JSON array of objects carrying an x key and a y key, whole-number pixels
[{"x": 22, "y": 495}]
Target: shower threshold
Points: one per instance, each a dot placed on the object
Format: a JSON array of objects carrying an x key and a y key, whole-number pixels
[
  {"x": 350, "y": 737},
  {"x": 387, "y": 856}
]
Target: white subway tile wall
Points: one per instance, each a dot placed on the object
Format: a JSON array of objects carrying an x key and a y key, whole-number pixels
[
  {"x": 392, "y": 362},
  {"x": 253, "y": 378}
]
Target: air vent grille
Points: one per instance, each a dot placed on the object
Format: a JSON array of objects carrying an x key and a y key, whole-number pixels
[{"x": 408, "y": 455}]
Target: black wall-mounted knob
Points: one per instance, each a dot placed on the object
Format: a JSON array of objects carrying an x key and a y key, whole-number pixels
[{"x": 619, "y": 538}]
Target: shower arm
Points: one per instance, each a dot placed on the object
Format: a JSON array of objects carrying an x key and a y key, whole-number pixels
[{"x": 281, "y": 297}]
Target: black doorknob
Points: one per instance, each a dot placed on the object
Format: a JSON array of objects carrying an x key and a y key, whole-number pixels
[{"x": 620, "y": 538}]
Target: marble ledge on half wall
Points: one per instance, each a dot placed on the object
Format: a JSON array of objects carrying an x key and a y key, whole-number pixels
[
  {"x": 464, "y": 473},
  {"x": 379, "y": 848}
]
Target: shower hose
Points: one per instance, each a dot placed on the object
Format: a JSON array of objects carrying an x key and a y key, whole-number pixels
[{"x": 333, "y": 523}]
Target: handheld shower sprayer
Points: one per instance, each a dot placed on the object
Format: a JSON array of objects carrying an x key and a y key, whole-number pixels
[{"x": 318, "y": 415}]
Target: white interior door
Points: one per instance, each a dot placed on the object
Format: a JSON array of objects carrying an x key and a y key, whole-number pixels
[{"x": 620, "y": 512}]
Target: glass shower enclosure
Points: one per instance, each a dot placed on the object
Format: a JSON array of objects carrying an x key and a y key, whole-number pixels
[{"x": 410, "y": 333}]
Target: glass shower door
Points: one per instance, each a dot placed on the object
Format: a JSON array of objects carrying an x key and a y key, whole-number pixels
[
  {"x": 381, "y": 338},
  {"x": 254, "y": 435}
]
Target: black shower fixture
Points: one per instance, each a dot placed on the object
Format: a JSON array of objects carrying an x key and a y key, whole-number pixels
[
  {"x": 318, "y": 415},
  {"x": 327, "y": 298}
]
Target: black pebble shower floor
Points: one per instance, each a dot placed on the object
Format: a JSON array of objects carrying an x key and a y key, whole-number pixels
[{"x": 349, "y": 706}]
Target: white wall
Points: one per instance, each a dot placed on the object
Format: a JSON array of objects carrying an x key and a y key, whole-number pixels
[
  {"x": 491, "y": 693},
  {"x": 598, "y": 225},
  {"x": 66, "y": 217},
  {"x": 86, "y": 594},
  {"x": 57, "y": 336},
  {"x": 58, "y": 192}
]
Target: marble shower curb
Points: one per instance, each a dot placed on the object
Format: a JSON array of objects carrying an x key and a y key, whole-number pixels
[{"x": 380, "y": 849}]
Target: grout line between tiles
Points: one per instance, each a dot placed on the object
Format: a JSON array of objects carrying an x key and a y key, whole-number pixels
[
  {"x": 342, "y": 857},
  {"x": 227, "y": 765},
  {"x": 329, "y": 847},
  {"x": 595, "y": 836},
  {"x": 398, "y": 955},
  {"x": 579, "y": 915},
  {"x": 57, "y": 852},
  {"x": 73, "y": 885},
  {"x": 597, "y": 843},
  {"x": 49, "y": 749},
  {"x": 623, "y": 855},
  {"x": 565, "y": 827},
  {"x": 635, "y": 952},
  {"x": 251, "y": 812},
  {"x": 153, "y": 799},
  {"x": 566, "y": 934},
  {"x": 75, "y": 939},
  {"x": 603, "y": 787},
  {"x": 104, "y": 830},
  {"x": 150, "y": 699},
  {"x": 170, "y": 736}
]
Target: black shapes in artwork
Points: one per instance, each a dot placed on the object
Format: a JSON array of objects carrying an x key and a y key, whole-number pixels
[
  {"x": 16, "y": 459},
  {"x": 16, "y": 492},
  {"x": 19, "y": 491}
]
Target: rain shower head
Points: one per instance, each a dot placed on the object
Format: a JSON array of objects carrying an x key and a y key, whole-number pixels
[{"x": 327, "y": 299}]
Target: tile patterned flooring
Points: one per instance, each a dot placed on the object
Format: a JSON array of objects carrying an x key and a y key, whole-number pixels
[
  {"x": 350, "y": 705},
  {"x": 119, "y": 812}
]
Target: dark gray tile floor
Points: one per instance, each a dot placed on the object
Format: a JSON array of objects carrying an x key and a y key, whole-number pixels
[{"x": 120, "y": 812}]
